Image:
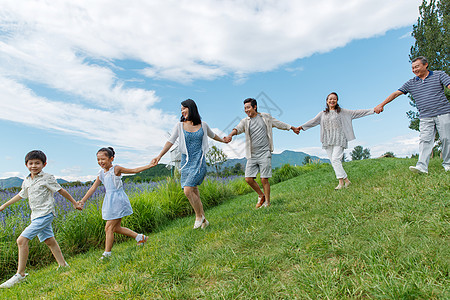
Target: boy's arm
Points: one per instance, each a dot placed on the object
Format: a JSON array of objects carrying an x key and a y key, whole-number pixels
[
  {"x": 11, "y": 201},
  {"x": 66, "y": 195},
  {"x": 118, "y": 170},
  {"x": 90, "y": 191}
]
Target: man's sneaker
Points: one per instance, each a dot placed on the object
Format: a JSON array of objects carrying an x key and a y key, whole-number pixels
[
  {"x": 143, "y": 240},
  {"x": 447, "y": 168},
  {"x": 261, "y": 201},
  {"x": 105, "y": 257},
  {"x": 13, "y": 280},
  {"x": 339, "y": 187},
  {"x": 417, "y": 170},
  {"x": 205, "y": 224},
  {"x": 63, "y": 268}
]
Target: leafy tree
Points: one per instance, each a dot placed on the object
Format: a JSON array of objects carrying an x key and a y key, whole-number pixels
[
  {"x": 306, "y": 160},
  {"x": 359, "y": 153},
  {"x": 388, "y": 154},
  {"x": 366, "y": 153},
  {"x": 237, "y": 169},
  {"x": 432, "y": 35},
  {"x": 216, "y": 157}
]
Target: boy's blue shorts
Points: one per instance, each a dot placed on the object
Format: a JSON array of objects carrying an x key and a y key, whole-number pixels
[{"x": 42, "y": 227}]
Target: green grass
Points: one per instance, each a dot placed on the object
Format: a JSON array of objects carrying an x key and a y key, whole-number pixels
[{"x": 385, "y": 237}]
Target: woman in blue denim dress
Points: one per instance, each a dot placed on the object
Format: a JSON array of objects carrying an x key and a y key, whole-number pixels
[{"x": 192, "y": 135}]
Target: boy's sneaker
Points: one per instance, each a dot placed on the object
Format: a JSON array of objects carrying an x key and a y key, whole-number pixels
[
  {"x": 447, "y": 168},
  {"x": 13, "y": 280},
  {"x": 143, "y": 240},
  {"x": 417, "y": 170}
]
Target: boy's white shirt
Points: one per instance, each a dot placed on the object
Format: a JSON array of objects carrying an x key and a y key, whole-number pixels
[{"x": 39, "y": 191}]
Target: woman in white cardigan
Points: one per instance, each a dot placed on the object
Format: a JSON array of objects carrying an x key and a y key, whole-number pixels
[
  {"x": 192, "y": 135},
  {"x": 336, "y": 130}
]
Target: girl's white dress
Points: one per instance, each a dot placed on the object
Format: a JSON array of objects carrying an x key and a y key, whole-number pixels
[{"x": 116, "y": 204}]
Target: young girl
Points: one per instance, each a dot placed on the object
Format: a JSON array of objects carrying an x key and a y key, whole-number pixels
[
  {"x": 193, "y": 142},
  {"x": 336, "y": 131},
  {"x": 116, "y": 204}
]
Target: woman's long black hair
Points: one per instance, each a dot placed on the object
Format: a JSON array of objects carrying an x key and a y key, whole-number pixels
[{"x": 193, "y": 115}]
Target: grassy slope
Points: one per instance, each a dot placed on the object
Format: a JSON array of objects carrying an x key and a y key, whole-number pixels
[{"x": 385, "y": 237}]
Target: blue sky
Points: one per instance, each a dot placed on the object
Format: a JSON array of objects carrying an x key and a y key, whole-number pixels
[{"x": 77, "y": 77}]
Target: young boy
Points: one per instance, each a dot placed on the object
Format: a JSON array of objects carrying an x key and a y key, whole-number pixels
[{"x": 39, "y": 188}]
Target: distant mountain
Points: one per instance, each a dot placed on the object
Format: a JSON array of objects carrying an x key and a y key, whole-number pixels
[
  {"x": 10, "y": 182},
  {"x": 293, "y": 158},
  {"x": 61, "y": 181},
  {"x": 159, "y": 170},
  {"x": 17, "y": 182}
]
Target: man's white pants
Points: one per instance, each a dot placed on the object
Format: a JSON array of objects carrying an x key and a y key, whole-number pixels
[
  {"x": 335, "y": 154},
  {"x": 428, "y": 127}
]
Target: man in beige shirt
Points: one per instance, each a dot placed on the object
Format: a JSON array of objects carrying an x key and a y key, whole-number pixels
[
  {"x": 259, "y": 147},
  {"x": 39, "y": 188}
]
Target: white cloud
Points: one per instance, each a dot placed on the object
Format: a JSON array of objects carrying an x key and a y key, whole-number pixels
[
  {"x": 72, "y": 178},
  {"x": 73, "y": 49},
  {"x": 71, "y": 170},
  {"x": 12, "y": 174},
  {"x": 406, "y": 35},
  {"x": 128, "y": 129},
  {"x": 401, "y": 146},
  {"x": 186, "y": 40},
  {"x": 294, "y": 70}
]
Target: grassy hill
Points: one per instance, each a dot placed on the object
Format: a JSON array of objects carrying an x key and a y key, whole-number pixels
[{"x": 385, "y": 237}]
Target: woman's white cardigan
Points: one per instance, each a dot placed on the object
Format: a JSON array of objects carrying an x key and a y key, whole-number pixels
[
  {"x": 346, "y": 117},
  {"x": 178, "y": 132}
]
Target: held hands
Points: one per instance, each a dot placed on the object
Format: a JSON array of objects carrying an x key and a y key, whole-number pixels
[
  {"x": 81, "y": 203},
  {"x": 296, "y": 130},
  {"x": 155, "y": 161},
  {"x": 78, "y": 205},
  {"x": 227, "y": 139},
  {"x": 378, "y": 108}
]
